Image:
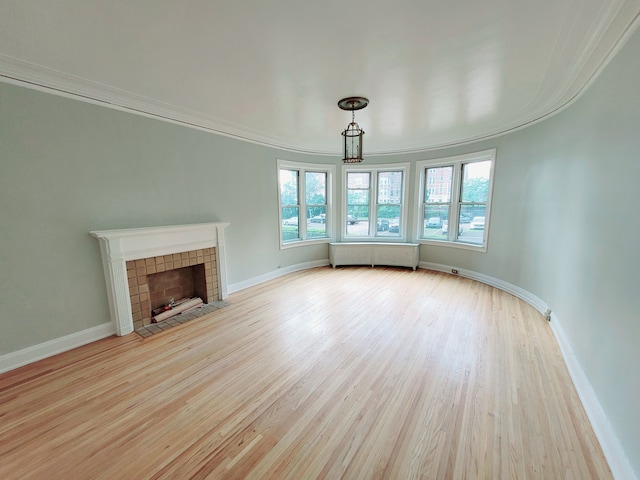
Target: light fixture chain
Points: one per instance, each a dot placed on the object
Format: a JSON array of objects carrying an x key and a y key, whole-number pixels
[{"x": 353, "y": 133}]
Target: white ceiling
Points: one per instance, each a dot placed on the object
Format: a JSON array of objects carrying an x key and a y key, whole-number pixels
[{"x": 436, "y": 72}]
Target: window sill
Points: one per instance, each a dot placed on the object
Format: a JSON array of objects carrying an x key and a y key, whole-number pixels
[
  {"x": 375, "y": 239},
  {"x": 447, "y": 243},
  {"x": 304, "y": 243}
]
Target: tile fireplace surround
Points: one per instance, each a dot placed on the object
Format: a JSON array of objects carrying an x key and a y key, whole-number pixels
[{"x": 128, "y": 245}]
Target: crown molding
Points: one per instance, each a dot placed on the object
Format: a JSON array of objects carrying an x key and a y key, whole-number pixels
[
  {"x": 618, "y": 22},
  {"x": 44, "y": 79}
]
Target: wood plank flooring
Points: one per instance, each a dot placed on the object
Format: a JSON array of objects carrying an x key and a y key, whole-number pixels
[{"x": 353, "y": 373}]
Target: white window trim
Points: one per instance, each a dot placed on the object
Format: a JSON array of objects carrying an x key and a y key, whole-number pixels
[
  {"x": 420, "y": 186},
  {"x": 301, "y": 167},
  {"x": 374, "y": 169}
]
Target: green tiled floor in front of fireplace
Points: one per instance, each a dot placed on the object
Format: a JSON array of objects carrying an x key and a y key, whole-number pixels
[{"x": 148, "y": 330}]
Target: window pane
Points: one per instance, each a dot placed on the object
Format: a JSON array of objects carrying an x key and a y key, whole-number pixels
[
  {"x": 473, "y": 230},
  {"x": 467, "y": 212},
  {"x": 358, "y": 197},
  {"x": 388, "y": 224},
  {"x": 306, "y": 211},
  {"x": 358, "y": 220},
  {"x": 317, "y": 223},
  {"x": 435, "y": 217},
  {"x": 475, "y": 181},
  {"x": 438, "y": 185},
  {"x": 290, "y": 226},
  {"x": 390, "y": 187},
  {"x": 288, "y": 187},
  {"x": 461, "y": 185},
  {"x": 358, "y": 180},
  {"x": 316, "y": 188}
]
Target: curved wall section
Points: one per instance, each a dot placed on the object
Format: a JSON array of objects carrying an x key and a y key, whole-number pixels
[{"x": 565, "y": 228}]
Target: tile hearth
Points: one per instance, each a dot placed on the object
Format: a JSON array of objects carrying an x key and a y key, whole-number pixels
[{"x": 153, "y": 328}]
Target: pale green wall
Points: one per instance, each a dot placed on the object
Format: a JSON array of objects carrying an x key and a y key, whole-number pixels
[
  {"x": 585, "y": 166},
  {"x": 68, "y": 167},
  {"x": 564, "y": 225}
]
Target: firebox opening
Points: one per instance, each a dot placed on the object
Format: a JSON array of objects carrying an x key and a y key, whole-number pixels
[
  {"x": 172, "y": 285},
  {"x": 154, "y": 281}
]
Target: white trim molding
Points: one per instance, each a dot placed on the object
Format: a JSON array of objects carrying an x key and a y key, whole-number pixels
[
  {"x": 613, "y": 451},
  {"x": 280, "y": 272},
  {"x": 28, "y": 355},
  {"x": 521, "y": 293},
  {"x": 614, "y": 23}
]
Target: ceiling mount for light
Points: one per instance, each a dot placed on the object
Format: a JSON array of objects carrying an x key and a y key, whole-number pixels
[{"x": 353, "y": 133}]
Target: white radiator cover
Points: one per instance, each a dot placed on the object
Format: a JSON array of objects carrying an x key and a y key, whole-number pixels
[{"x": 374, "y": 253}]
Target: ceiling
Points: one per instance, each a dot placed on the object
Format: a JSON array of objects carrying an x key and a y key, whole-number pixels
[{"x": 436, "y": 72}]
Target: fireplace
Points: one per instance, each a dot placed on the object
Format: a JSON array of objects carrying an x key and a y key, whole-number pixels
[
  {"x": 131, "y": 256},
  {"x": 156, "y": 281}
]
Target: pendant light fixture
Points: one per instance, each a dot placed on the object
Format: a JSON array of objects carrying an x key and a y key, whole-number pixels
[{"x": 353, "y": 133}]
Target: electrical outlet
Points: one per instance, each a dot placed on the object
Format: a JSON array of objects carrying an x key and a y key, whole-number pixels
[
  {"x": 547, "y": 314},
  {"x": 454, "y": 271}
]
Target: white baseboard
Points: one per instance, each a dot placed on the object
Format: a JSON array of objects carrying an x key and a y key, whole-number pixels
[
  {"x": 34, "y": 353},
  {"x": 613, "y": 451},
  {"x": 618, "y": 461},
  {"x": 521, "y": 293},
  {"x": 236, "y": 287}
]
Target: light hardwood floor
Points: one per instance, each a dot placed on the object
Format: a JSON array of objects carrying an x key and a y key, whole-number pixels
[{"x": 353, "y": 373}]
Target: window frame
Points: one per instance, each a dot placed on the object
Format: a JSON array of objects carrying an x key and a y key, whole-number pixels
[
  {"x": 455, "y": 203},
  {"x": 374, "y": 170},
  {"x": 302, "y": 169}
]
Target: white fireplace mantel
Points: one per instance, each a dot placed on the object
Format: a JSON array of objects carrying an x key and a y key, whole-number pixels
[{"x": 119, "y": 246}]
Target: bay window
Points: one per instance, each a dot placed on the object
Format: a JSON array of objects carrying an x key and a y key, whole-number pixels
[
  {"x": 455, "y": 199},
  {"x": 304, "y": 202},
  {"x": 374, "y": 202}
]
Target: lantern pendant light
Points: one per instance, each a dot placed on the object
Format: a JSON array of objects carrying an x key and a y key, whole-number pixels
[{"x": 353, "y": 133}]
